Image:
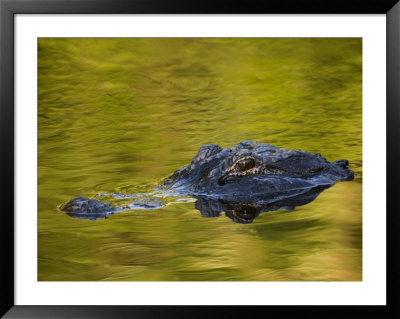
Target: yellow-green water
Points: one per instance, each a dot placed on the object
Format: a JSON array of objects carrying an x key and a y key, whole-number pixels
[{"x": 122, "y": 114}]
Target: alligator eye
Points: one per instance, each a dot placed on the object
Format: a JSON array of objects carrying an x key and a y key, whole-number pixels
[{"x": 246, "y": 164}]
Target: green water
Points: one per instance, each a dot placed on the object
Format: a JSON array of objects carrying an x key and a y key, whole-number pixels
[{"x": 122, "y": 114}]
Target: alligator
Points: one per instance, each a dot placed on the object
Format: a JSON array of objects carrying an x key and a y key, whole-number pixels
[{"x": 242, "y": 181}]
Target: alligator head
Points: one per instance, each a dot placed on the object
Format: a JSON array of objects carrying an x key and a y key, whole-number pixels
[
  {"x": 243, "y": 181},
  {"x": 253, "y": 172}
]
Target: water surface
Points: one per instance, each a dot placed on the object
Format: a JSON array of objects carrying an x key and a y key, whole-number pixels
[{"x": 119, "y": 115}]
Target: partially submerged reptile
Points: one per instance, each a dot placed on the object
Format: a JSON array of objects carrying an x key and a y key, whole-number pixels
[{"x": 243, "y": 181}]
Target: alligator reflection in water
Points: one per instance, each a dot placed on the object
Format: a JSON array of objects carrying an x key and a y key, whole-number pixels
[
  {"x": 245, "y": 213},
  {"x": 242, "y": 181},
  {"x": 239, "y": 212}
]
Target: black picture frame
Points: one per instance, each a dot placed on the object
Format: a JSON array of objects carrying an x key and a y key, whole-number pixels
[{"x": 8, "y": 8}]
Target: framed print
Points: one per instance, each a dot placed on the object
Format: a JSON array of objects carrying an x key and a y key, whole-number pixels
[{"x": 165, "y": 159}]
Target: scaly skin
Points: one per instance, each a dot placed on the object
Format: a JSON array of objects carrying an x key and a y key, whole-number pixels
[
  {"x": 244, "y": 180},
  {"x": 250, "y": 171}
]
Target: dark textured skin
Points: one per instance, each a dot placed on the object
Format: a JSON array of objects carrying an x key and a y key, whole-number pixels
[
  {"x": 242, "y": 181},
  {"x": 215, "y": 173},
  {"x": 85, "y": 208}
]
